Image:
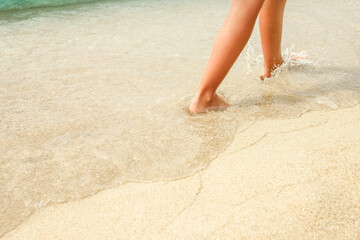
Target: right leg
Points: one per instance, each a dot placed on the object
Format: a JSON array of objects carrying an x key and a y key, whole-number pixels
[
  {"x": 228, "y": 45},
  {"x": 271, "y": 24}
]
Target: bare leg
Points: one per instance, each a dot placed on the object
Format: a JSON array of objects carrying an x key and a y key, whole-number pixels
[
  {"x": 228, "y": 45},
  {"x": 271, "y": 24}
]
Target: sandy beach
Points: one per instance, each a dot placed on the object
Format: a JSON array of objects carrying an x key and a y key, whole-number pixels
[
  {"x": 279, "y": 179},
  {"x": 97, "y": 142}
]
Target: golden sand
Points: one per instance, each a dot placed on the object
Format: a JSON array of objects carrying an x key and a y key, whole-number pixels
[{"x": 279, "y": 179}]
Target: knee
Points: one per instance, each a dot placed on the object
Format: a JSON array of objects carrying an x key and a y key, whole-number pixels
[{"x": 251, "y": 6}]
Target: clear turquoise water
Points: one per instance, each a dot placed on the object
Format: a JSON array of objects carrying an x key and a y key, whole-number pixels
[{"x": 23, "y": 4}]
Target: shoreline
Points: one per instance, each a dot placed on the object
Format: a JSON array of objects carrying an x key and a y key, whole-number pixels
[{"x": 280, "y": 178}]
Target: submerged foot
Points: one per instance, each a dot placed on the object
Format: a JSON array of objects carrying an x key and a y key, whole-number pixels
[
  {"x": 268, "y": 72},
  {"x": 201, "y": 105}
]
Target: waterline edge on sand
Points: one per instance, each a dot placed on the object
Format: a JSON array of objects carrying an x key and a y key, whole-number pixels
[{"x": 278, "y": 178}]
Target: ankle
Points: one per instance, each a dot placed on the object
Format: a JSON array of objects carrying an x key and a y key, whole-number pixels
[
  {"x": 205, "y": 96},
  {"x": 273, "y": 63}
]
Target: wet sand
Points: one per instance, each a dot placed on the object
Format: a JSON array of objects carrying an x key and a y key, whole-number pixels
[
  {"x": 94, "y": 96},
  {"x": 96, "y": 141},
  {"x": 279, "y": 179}
]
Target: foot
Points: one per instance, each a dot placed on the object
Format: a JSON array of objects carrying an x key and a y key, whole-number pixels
[
  {"x": 268, "y": 72},
  {"x": 201, "y": 105}
]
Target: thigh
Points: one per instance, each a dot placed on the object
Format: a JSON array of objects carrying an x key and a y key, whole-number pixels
[{"x": 247, "y": 5}]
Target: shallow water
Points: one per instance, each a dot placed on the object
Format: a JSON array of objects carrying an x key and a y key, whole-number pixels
[
  {"x": 95, "y": 95},
  {"x": 6, "y": 5}
]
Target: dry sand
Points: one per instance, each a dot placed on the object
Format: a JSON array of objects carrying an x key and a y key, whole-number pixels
[{"x": 279, "y": 179}]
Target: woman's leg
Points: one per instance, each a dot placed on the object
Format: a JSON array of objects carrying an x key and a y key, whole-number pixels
[
  {"x": 229, "y": 43},
  {"x": 271, "y": 24}
]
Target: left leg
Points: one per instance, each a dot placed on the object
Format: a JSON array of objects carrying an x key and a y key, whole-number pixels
[{"x": 228, "y": 45}]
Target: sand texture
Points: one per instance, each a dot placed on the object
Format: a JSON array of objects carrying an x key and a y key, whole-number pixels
[{"x": 279, "y": 179}]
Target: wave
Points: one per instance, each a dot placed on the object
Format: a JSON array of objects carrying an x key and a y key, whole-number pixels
[{"x": 6, "y": 5}]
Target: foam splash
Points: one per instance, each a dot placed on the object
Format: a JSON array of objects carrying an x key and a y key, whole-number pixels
[{"x": 291, "y": 60}]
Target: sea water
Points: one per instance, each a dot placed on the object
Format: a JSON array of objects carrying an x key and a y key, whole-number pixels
[{"x": 94, "y": 94}]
